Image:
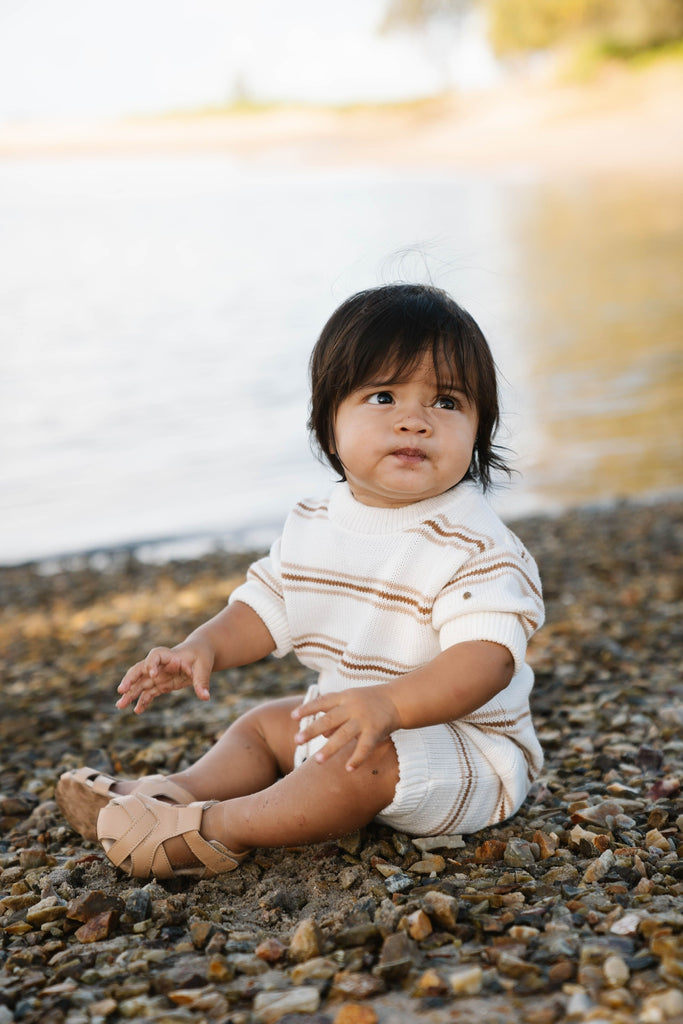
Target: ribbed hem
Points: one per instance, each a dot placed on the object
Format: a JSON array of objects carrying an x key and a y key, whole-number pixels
[
  {"x": 420, "y": 752},
  {"x": 498, "y": 627},
  {"x": 271, "y": 612}
]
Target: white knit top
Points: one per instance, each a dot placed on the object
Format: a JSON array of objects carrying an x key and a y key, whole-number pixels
[{"x": 364, "y": 594}]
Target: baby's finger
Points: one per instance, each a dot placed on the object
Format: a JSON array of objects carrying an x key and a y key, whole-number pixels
[
  {"x": 339, "y": 738},
  {"x": 315, "y": 706},
  {"x": 364, "y": 747},
  {"x": 201, "y": 685},
  {"x": 323, "y": 725},
  {"x": 131, "y": 677}
]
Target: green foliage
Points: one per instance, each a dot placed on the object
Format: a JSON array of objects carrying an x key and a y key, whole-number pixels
[
  {"x": 617, "y": 26},
  {"x": 620, "y": 27}
]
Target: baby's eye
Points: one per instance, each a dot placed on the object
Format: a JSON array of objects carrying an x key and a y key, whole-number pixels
[
  {"x": 380, "y": 398},
  {"x": 446, "y": 402}
]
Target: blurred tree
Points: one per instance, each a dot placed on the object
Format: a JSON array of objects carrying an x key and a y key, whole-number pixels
[
  {"x": 516, "y": 26},
  {"x": 402, "y": 13},
  {"x": 621, "y": 25}
]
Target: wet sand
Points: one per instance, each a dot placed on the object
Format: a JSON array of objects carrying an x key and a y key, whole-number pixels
[{"x": 570, "y": 911}]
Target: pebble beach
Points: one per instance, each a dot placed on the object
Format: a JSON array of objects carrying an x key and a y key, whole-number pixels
[{"x": 570, "y": 911}]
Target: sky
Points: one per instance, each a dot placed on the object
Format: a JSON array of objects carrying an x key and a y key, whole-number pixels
[{"x": 74, "y": 59}]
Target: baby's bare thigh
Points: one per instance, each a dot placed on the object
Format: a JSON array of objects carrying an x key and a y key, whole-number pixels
[{"x": 277, "y": 727}]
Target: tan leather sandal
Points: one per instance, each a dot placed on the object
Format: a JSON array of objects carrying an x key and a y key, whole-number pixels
[
  {"x": 82, "y": 793},
  {"x": 133, "y": 829}
]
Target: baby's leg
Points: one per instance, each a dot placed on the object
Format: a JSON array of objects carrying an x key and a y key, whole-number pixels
[
  {"x": 255, "y": 751},
  {"x": 252, "y": 754},
  {"x": 314, "y": 803}
]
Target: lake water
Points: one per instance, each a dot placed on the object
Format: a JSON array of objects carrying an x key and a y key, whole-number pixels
[{"x": 158, "y": 314}]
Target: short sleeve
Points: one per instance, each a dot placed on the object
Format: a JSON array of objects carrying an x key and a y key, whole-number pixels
[
  {"x": 262, "y": 591},
  {"x": 496, "y": 596}
]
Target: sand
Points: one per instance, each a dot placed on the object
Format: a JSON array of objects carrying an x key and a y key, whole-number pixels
[{"x": 621, "y": 121}]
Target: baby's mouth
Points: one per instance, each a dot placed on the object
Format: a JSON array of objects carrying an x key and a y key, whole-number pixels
[{"x": 409, "y": 454}]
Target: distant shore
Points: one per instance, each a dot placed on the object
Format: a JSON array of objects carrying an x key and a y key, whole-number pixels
[{"x": 623, "y": 121}]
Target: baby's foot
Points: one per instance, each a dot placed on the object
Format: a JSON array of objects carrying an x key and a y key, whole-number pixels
[{"x": 144, "y": 837}]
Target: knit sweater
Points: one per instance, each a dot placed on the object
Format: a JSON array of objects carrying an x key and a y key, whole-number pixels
[{"x": 363, "y": 595}]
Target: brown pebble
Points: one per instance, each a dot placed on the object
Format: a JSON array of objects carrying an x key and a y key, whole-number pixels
[
  {"x": 92, "y": 904},
  {"x": 97, "y": 928},
  {"x": 351, "y": 1013},
  {"x": 489, "y": 851},
  {"x": 271, "y": 950}
]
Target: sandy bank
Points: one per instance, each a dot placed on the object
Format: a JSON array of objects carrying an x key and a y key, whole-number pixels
[{"x": 625, "y": 121}]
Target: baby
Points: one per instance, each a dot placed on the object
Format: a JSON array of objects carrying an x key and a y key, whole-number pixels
[{"x": 403, "y": 590}]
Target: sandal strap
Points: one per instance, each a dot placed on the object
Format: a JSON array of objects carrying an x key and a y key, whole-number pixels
[
  {"x": 143, "y": 825},
  {"x": 97, "y": 781},
  {"x": 159, "y": 785},
  {"x": 215, "y": 857}
]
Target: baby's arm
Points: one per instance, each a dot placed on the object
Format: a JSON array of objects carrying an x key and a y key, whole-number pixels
[
  {"x": 236, "y": 636},
  {"x": 458, "y": 681}
]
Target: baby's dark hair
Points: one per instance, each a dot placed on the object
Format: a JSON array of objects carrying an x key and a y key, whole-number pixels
[{"x": 388, "y": 330}]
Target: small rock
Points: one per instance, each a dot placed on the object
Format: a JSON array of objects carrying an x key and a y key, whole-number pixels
[
  {"x": 349, "y": 876},
  {"x": 562, "y": 873},
  {"x": 399, "y": 883},
  {"x": 547, "y": 843},
  {"x": 201, "y": 932},
  {"x": 271, "y": 950},
  {"x": 518, "y": 853},
  {"x": 430, "y": 984},
  {"x": 350, "y": 843},
  {"x": 317, "y": 969},
  {"x": 139, "y": 905},
  {"x": 102, "y": 1008},
  {"x": 52, "y": 908},
  {"x": 655, "y": 838},
  {"x": 417, "y": 925},
  {"x": 32, "y": 857},
  {"x": 269, "y": 1007},
  {"x": 354, "y": 1014},
  {"x": 442, "y": 909},
  {"x": 396, "y": 957},
  {"x": 432, "y": 864},
  {"x": 523, "y": 933},
  {"x": 662, "y": 1006},
  {"x": 489, "y": 851},
  {"x": 578, "y": 1005},
  {"x": 466, "y": 981},
  {"x": 649, "y": 759},
  {"x": 201, "y": 1000},
  {"x": 91, "y": 904},
  {"x": 599, "y": 868},
  {"x": 306, "y": 942},
  {"x": 98, "y": 928},
  {"x": 616, "y": 971},
  {"x": 452, "y": 841},
  {"x": 626, "y": 925},
  {"x": 354, "y": 985}
]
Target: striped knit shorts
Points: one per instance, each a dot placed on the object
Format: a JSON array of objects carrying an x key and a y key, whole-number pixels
[{"x": 446, "y": 784}]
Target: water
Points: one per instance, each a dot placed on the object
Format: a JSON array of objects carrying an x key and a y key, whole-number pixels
[{"x": 158, "y": 314}]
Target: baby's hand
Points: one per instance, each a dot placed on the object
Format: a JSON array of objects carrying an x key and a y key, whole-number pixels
[
  {"x": 366, "y": 714},
  {"x": 166, "y": 669}
]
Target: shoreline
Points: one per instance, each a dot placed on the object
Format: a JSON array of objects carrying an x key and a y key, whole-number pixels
[
  {"x": 196, "y": 545},
  {"x": 624, "y": 120}
]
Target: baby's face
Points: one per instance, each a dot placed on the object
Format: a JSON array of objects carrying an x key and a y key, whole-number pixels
[{"x": 405, "y": 441}]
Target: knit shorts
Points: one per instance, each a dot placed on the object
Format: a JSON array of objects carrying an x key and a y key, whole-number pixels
[{"x": 446, "y": 784}]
